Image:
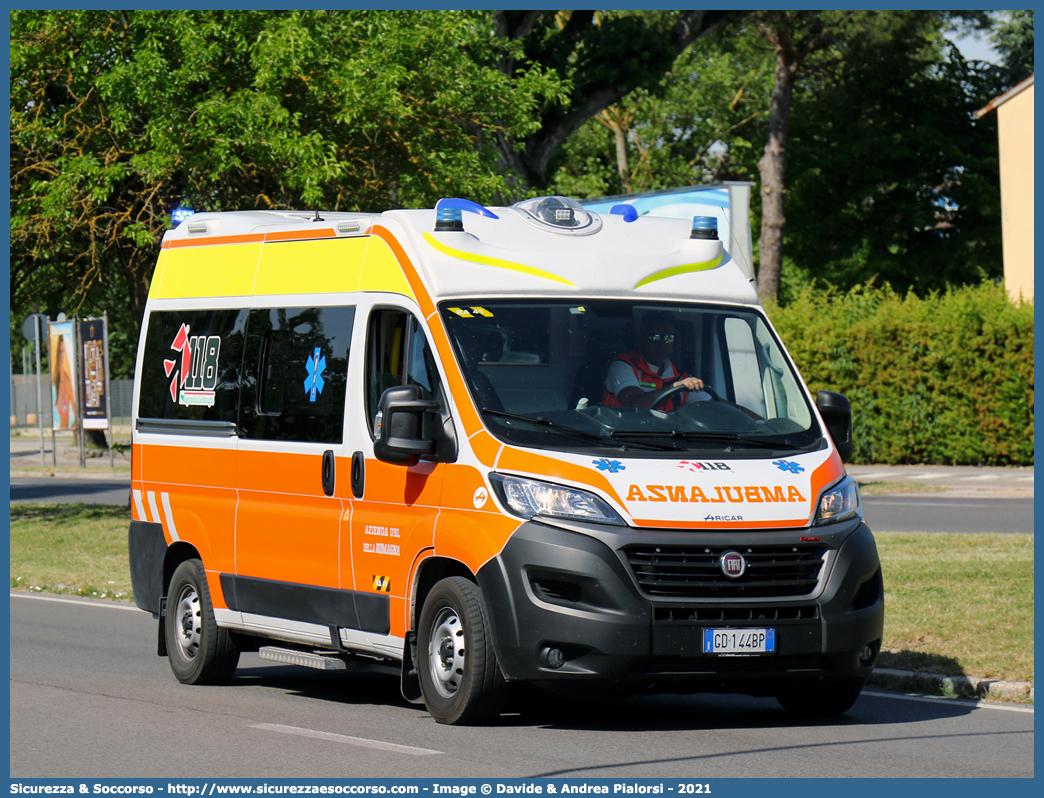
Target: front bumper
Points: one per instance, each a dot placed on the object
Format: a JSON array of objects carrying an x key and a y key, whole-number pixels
[{"x": 572, "y": 589}]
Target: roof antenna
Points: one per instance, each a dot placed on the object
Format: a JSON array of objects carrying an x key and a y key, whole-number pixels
[{"x": 318, "y": 218}]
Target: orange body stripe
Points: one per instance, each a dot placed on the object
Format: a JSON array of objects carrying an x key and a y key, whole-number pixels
[
  {"x": 299, "y": 235},
  {"x": 549, "y": 468},
  {"x": 467, "y": 411},
  {"x": 252, "y": 238}
]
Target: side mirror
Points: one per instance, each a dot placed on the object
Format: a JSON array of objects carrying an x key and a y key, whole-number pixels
[
  {"x": 837, "y": 413},
  {"x": 400, "y": 413}
]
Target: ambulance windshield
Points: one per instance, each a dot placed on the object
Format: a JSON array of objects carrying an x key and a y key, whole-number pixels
[{"x": 573, "y": 375}]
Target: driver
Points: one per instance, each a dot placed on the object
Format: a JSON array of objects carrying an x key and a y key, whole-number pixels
[{"x": 634, "y": 377}]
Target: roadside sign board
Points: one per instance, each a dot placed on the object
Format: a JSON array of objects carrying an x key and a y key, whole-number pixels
[
  {"x": 95, "y": 374},
  {"x": 63, "y": 376},
  {"x": 29, "y": 329}
]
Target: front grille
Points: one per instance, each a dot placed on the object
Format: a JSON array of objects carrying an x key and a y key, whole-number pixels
[
  {"x": 734, "y": 612},
  {"x": 723, "y": 665},
  {"x": 693, "y": 572}
]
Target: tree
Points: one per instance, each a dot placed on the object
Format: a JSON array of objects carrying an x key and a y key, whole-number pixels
[
  {"x": 696, "y": 126},
  {"x": 119, "y": 117},
  {"x": 887, "y": 173},
  {"x": 804, "y": 43},
  {"x": 602, "y": 56},
  {"x": 1012, "y": 37},
  {"x": 890, "y": 177}
]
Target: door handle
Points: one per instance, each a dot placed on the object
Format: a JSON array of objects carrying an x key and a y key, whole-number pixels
[
  {"x": 329, "y": 474},
  {"x": 358, "y": 474}
]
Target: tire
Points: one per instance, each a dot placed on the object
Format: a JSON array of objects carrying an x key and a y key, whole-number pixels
[
  {"x": 822, "y": 700},
  {"x": 460, "y": 679},
  {"x": 198, "y": 650}
]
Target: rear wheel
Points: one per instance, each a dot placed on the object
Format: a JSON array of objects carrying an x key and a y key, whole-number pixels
[
  {"x": 821, "y": 700},
  {"x": 460, "y": 679},
  {"x": 199, "y": 651}
]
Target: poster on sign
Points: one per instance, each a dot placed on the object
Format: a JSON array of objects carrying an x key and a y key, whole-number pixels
[
  {"x": 95, "y": 374},
  {"x": 63, "y": 376}
]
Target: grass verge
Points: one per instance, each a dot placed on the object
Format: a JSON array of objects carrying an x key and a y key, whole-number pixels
[
  {"x": 896, "y": 488},
  {"x": 958, "y": 604},
  {"x": 954, "y": 604},
  {"x": 77, "y": 549}
]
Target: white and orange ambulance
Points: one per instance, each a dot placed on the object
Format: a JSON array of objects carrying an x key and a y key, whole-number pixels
[{"x": 399, "y": 442}]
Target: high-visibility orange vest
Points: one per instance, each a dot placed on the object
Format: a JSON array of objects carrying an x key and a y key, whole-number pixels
[{"x": 646, "y": 378}]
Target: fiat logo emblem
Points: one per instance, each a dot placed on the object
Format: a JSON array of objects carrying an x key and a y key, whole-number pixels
[{"x": 732, "y": 564}]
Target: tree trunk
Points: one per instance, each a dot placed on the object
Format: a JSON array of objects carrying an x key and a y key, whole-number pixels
[{"x": 773, "y": 167}]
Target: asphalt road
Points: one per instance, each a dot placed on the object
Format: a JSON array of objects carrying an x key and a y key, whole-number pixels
[
  {"x": 70, "y": 489},
  {"x": 933, "y": 513},
  {"x": 90, "y": 697}
]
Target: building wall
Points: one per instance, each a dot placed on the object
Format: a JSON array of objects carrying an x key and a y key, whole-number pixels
[{"x": 1015, "y": 123}]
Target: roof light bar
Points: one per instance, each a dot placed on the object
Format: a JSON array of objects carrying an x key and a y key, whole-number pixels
[
  {"x": 449, "y": 213},
  {"x": 178, "y": 215},
  {"x": 704, "y": 227},
  {"x": 628, "y": 212}
]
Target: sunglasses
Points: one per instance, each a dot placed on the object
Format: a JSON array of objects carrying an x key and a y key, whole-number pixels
[{"x": 667, "y": 339}]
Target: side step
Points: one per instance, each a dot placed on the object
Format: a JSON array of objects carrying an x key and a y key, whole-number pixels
[{"x": 324, "y": 662}]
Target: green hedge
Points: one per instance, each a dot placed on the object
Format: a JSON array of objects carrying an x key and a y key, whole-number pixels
[{"x": 945, "y": 379}]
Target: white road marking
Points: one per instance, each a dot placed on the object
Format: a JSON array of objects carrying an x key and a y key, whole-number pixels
[
  {"x": 915, "y": 503},
  {"x": 874, "y": 475},
  {"x": 984, "y": 476},
  {"x": 82, "y": 603},
  {"x": 928, "y": 476},
  {"x": 362, "y": 742},
  {"x": 957, "y": 701}
]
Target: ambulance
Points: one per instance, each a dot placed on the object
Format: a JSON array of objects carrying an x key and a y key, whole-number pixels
[{"x": 389, "y": 442}]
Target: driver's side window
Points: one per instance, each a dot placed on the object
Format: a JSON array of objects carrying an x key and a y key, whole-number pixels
[{"x": 397, "y": 353}]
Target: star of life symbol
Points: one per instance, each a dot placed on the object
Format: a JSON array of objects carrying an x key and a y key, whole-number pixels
[
  {"x": 786, "y": 465},
  {"x": 612, "y": 466},
  {"x": 314, "y": 382}
]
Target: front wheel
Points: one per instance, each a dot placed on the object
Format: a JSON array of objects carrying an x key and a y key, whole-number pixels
[
  {"x": 460, "y": 679},
  {"x": 199, "y": 651},
  {"x": 822, "y": 700}
]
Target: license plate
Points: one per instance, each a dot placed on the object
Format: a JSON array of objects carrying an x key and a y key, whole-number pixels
[{"x": 739, "y": 641}]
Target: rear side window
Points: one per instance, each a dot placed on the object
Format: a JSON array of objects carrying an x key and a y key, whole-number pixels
[
  {"x": 296, "y": 373},
  {"x": 192, "y": 364}
]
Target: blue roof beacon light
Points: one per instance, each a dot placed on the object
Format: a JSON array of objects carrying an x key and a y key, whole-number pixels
[
  {"x": 704, "y": 227},
  {"x": 178, "y": 215},
  {"x": 628, "y": 212},
  {"x": 449, "y": 214}
]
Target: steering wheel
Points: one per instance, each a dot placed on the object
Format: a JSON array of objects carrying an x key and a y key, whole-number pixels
[{"x": 664, "y": 394}]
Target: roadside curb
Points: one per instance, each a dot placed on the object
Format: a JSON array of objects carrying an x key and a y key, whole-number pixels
[{"x": 951, "y": 686}]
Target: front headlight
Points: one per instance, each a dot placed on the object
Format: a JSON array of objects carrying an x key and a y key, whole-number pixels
[
  {"x": 839, "y": 503},
  {"x": 528, "y": 498}
]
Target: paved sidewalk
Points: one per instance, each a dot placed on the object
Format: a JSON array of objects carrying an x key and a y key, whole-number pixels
[
  {"x": 954, "y": 481},
  {"x": 65, "y": 462}
]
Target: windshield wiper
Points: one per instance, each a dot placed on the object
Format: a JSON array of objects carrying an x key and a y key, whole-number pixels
[
  {"x": 724, "y": 437},
  {"x": 546, "y": 422}
]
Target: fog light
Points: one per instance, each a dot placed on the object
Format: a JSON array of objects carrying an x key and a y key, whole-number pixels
[
  {"x": 555, "y": 658},
  {"x": 866, "y": 656}
]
